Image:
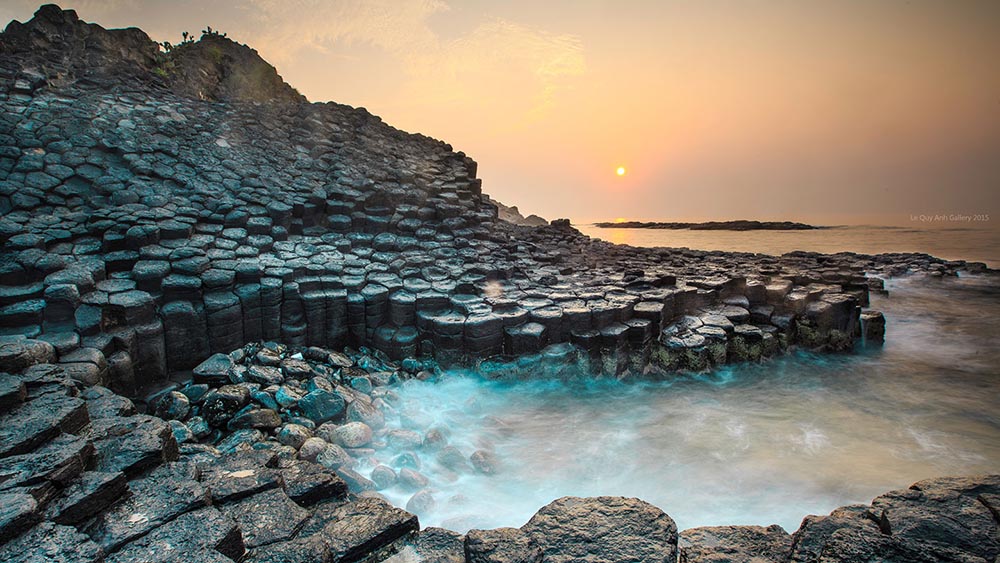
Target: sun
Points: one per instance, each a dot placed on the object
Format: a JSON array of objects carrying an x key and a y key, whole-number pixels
[{"x": 620, "y": 171}]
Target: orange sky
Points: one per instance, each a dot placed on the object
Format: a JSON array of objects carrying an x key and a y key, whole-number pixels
[{"x": 822, "y": 110}]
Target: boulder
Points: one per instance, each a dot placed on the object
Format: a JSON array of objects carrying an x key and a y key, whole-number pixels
[
  {"x": 603, "y": 530},
  {"x": 223, "y": 403},
  {"x": 214, "y": 370},
  {"x": 36, "y": 422},
  {"x": 309, "y": 483},
  {"x": 353, "y": 435},
  {"x": 321, "y": 405},
  {"x": 240, "y": 475}
]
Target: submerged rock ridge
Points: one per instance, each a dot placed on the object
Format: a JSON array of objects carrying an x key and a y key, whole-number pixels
[
  {"x": 741, "y": 225},
  {"x": 183, "y": 228}
]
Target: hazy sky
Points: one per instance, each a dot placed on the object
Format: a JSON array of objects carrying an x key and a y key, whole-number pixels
[{"x": 823, "y": 110}]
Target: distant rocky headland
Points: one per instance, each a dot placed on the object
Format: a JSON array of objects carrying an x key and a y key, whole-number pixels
[
  {"x": 740, "y": 225},
  {"x": 210, "y": 287}
]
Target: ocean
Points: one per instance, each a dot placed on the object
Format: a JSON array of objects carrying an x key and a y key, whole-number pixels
[{"x": 974, "y": 242}]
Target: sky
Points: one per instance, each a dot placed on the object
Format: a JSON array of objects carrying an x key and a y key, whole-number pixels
[{"x": 829, "y": 111}]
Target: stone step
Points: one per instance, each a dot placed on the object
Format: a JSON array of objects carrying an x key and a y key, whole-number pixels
[
  {"x": 204, "y": 531},
  {"x": 267, "y": 517},
  {"x": 48, "y": 543},
  {"x": 13, "y": 392},
  {"x": 33, "y": 423},
  {"x": 158, "y": 498},
  {"x": 44, "y": 472},
  {"x": 18, "y": 512},
  {"x": 132, "y": 444},
  {"x": 91, "y": 494}
]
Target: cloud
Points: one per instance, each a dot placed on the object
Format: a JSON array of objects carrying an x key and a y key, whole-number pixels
[
  {"x": 506, "y": 64},
  {"x": 284, "y": 27}
]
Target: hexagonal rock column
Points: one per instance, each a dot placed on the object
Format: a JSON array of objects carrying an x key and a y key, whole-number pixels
[{"x": 873, "y": 327}]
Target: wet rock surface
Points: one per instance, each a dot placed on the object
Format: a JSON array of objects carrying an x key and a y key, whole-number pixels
[
  {"x": 735, "y": 544},
  {"x": 603, "y": 530},
  {"x": 257, "y": 272}
]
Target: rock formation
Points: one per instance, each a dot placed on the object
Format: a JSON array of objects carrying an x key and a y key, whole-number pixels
[
  {"x": 513, "y": 215},
  {"x": 256, "y": 271}
]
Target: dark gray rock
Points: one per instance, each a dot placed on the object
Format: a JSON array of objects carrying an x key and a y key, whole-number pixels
[
  {"x": 255, "y": 418},
  {"x": 432, "y": 545},
  {"x": 13, "y": 392},
  {"x": 603, "y": 530},
  {"x": 735, "y": 544},
  {"x": 421, "y": 502},
  {"x": 309, "y": 483},
  {"x": 946, "y": 519},
  {"x": 15, "y": 355},
  {"x": 36, "y": 422},
  {"x": 383, "y": 477},
  {"x": 265, "y": 375},
  {"x": 48, "y": 469},
  {"x": 161, "y": 496},
  {"x": 48, "y": 543},
  {"x": 222, "y": 404},
  {"x": 90, "y": 495},
  {"x": 132, "y": 444},
  {"x": 103, "y": 403},
  {"x": 267, "y": 517},
  {"x": 321, "y": 405},
  {"x": 502, "y": 545},
  {"x": 239, "y": 475},
  {"x": 294, "y": 435},
  {"x": 366, "y": 526},
  {"x": 18, "y": 512},
  {"x": 303, "y": 550},
  {"x": 356, "y": 482},
  {"x": 214, "y": 370},
  {"x": 173, "y": 406},
  {"x": 201, "y": 531}
]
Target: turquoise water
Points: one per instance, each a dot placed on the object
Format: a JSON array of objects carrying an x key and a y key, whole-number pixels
[
  {"x": 976, "y": 242},
  {"x": 750, "y": 444}
]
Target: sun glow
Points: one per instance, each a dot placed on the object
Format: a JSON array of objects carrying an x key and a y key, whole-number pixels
[{"x": 620, "y": 171}]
